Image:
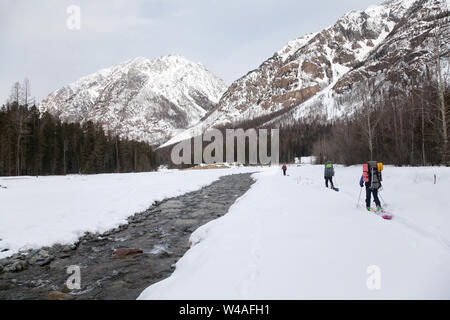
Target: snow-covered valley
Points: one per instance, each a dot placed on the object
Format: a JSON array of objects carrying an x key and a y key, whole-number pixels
[
  {"x": 291, "y": 238},
  {"x": 288, "y": 237}
]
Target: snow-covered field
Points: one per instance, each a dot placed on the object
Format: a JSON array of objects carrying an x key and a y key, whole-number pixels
[
  {"x": 290, "y": 238},
  {"x": 286, "y": 238},
  {"x": 36, "y": 212}
]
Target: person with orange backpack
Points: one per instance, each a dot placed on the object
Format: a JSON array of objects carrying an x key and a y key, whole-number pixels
[{"x": 372, "y": 178}]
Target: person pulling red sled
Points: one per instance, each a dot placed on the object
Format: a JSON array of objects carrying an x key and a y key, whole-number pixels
[{"x": 372, "y": 178}]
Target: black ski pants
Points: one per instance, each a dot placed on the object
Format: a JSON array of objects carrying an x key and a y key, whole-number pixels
[
  {"x": 369, "y": 192},
  {"x": 329, "y": 179}
]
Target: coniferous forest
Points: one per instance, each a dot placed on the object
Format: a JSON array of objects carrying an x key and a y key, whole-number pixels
[{"x": 39, "y": 144}]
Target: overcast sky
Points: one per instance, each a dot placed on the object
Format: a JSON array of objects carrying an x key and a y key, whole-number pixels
[{"x": 230, "y": 37}]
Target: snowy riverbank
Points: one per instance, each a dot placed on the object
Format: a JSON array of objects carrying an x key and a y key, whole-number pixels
[{"x": 37, "y": 212}]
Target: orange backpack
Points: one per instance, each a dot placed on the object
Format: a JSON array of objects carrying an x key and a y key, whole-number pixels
[{"x": 377, "y": 167}]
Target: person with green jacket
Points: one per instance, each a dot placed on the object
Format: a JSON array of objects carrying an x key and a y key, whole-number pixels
[{"x": 328, "y": 174}]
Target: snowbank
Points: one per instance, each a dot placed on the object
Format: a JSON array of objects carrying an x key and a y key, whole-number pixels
[
  {"x": 36, "y": 212},
  {"x": 291, "y": 238}
]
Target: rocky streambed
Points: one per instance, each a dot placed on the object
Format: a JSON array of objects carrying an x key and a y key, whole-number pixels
[{"x": 121, "y": 263}]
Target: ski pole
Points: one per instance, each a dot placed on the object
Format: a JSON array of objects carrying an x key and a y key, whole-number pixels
[
  {"x": 359, "y": 198},
  {"x": 384, "y": 202}
]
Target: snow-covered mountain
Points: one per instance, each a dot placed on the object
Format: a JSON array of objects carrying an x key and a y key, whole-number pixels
[
  {"x": 141, "y": 99},
  {"x": 407, "y": 51},
  {"x": 315, "y": 73}
]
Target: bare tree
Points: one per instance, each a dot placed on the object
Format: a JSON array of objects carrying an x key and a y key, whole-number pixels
[
  {"x": 20, "y": 98},
  {"x": 15, "y": 100},
  {"x": 26, "y": 93},
  {"x": 440, "y": 36},
  {"x": 422, "y": 118},
  {"x": 15, "y": 95},
  {"x": 367, "y": 94}
]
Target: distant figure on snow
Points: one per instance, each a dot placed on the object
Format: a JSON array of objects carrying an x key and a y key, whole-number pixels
[
  {"x": 372, "y": 178},
  {"x": 328, "y": 174},
  {"x": 284, "y": 168}
]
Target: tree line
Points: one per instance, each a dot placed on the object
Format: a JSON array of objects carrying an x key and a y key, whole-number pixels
[
  {"x": 401, "y": 126},
  {"x": 32, "y": 143},
  {"x": 405, "y": 123}
]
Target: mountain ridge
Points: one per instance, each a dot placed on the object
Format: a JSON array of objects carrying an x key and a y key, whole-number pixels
[
  {"x": 288, "y": 82},
  {"x": 140, "y": 99}
]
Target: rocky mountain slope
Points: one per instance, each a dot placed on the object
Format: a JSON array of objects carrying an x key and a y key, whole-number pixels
[
  {"x": 408, "y": 51},
  {"x": 316, "y": 74},
  {"x": 141, "y": 99}
]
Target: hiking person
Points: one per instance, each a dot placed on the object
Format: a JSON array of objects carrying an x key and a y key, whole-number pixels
[
  {"x": 372, "y": 178},
  {"x": 284, "y": 168},
  {"x": 328, "y": 174}
]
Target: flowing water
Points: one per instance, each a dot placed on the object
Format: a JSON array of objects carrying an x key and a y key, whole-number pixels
[{"x": 161, "y": 233}]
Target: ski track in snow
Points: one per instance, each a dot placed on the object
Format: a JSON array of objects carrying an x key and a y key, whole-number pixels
[
  {"x": 253, "y": 268},
  {"x": 422, "y": 232},
  {"x": 404, "y": 222}
]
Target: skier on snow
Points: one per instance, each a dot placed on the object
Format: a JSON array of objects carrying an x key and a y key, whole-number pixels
[
  {"x": 371, "y": 178},
  {"x": 284, "y": 168},
  {"x": 329, "y": 174}
]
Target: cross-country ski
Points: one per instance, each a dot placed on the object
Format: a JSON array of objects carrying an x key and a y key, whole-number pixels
[{"x": 381, "y": 213}]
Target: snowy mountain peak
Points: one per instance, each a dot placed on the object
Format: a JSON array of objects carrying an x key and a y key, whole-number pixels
[
  {"x": 294, "y": 45},
  {"x": 326, "y": 64},
  {"x": 142, "y": 99}
]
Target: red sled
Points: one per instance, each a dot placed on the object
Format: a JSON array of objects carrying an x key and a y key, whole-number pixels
[{"x": 382, "y": 214}]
